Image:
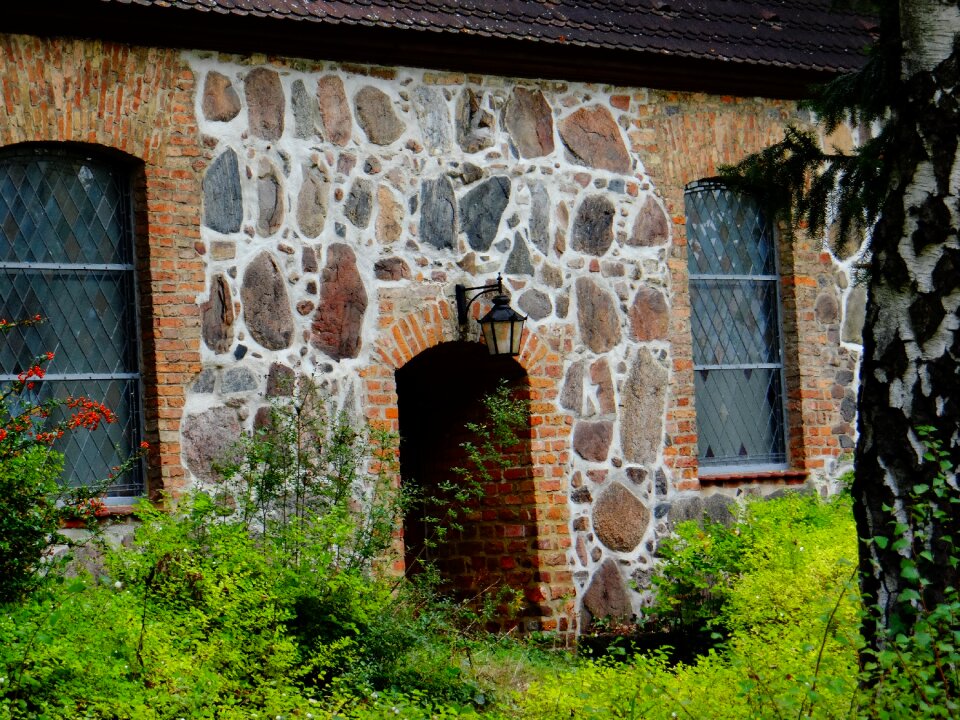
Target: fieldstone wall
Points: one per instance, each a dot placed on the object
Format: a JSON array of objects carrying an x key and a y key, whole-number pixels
[
  {"x": 341, "y": 204},
  {"x": 313, "y": 218}
]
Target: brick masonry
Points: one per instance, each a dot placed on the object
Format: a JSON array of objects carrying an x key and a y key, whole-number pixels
[{"x": 315, "y": 217}]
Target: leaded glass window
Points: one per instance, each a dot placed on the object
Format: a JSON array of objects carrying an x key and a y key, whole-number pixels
[
  {"x": 735, "y": 320},
  {"x": 67, "y": 254}
]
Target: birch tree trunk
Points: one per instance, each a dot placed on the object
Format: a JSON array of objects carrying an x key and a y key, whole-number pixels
[{"x": 910, "y": 374}]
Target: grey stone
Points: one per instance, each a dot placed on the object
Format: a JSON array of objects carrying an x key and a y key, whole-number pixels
[
  {"x": 685, "y": 509},
  {"x": 265, "y": 103},
  {"x": 239, "y": 351},
  {"x": 571, "y": 397},
  {"x": 563, "y": 305},
  {"x": 205, "y": 382},
  {"x": 529, "y": 120},
  {"x": 620, "y": 520},
  {"x": 643, "y": 397},
  {"x": 217, "y": 318},
  {"x": 535, "y": 303},
  {"x": 826, "y": 308},
  {"x": 222, "y": 197},
  {"x": 720, "y": 509},
  {"x": 438, "y": 213},
  {"x": 269, "y": 201},
  {"x": 434, "y": 119},
  {"x": 306, "y": 111},
  {"x": 593, "y": 139},
  {"x": 854, "y": 314},
  {"x": 280, "y": 380},
  {"x": 597, "y": 316},
  {"x": 474, "y": 123},
  {"x": 308, "y": 259},
  {"x": 209, "y": 437},
  {"x": 519, "y": 261},
  {"x": 338, "y": 322},
  {"x": 481, "y": 210},
  {"x": 359, "y": 204},
  {"x": 607, "y": 597},
  {"x": 312, "y": 202},
  {"x": 266, "y": 307},
  {"x": 591, "y": 440},
  {"x": 238, "y": 379},
  {"x": 540, "y": 217},
  {"x": 392, "y": 268},
  {"x": 651, "y": 228},
  {"x": 660, "y": 482},
  {"x": 334, "y": 110},
  {"x": 593, "y": 226},
  {"x": 376, "y": 117},
  {"x": 220, "y": 101},
  {"x": 848, "y": 410}
]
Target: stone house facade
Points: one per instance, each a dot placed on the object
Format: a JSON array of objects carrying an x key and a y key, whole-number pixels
[{"x": 296, "y": 216}]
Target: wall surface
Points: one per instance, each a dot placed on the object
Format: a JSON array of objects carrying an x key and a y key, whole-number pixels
[{"x": 313, "y": 218}]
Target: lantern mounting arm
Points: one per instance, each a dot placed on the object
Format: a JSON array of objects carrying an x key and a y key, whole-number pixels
[{"x": 463, "y": 303}]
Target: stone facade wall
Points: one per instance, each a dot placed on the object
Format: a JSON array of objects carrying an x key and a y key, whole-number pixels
[{"x": 340, "y": 205}]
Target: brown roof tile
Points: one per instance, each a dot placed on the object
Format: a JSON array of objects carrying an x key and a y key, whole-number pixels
[{"x": 799, "y": 34}]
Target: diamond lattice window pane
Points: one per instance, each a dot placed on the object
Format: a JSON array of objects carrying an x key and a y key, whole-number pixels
[
  {"x": 739, "y": 416},
  {"x": 66, "y": 253},
  {"x": 735, "y": 323}
]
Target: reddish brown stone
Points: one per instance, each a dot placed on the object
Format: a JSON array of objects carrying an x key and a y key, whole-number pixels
[
  {"x": 529, "y": 121},
  {"x": 826, "y": 307},
  {"x": 217, "y": 316},
  {"x": 392, "y": 268},
  {"x": 651, "y": 227},
  {"x": 376, "y": 116},
  {"x": 649, "y": 315},
  {"x": 593, "y": 138},
  {"x": 334, "y": 110},
  {"x": 338, "y": 321},
  {"x": 280, "y": 380},
  {"x": 597, "y": 316},
  {"x": 606, "y": 598},
  {"x": 265, "y": 103},
  {"x": 220, "y": 101},
  {"x": 266, "y": 307},
  {"x": 620, "y": 519},
  {"x": 600, "y": 376},
  {"x": 591, "y": 440}
]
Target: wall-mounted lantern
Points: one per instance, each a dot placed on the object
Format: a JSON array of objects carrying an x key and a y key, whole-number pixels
[{"x": 502, "y": 326}]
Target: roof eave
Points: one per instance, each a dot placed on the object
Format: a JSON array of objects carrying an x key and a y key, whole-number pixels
[{"x": 466, "y": 52}]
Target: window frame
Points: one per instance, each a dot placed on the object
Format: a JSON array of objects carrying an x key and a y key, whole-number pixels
[
  {"x": 729, "y": 466},
  {"x": 123, "y": 172}
]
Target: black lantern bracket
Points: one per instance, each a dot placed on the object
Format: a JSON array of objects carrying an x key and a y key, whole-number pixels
[
  {"x": 464, "y": 303},
  {"x": 502, "y": 327}
]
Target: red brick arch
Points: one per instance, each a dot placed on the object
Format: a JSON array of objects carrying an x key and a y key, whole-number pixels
[{"x": 401, "y": 339}]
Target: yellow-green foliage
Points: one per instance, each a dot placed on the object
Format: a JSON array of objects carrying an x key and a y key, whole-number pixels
[{"x": 792, "y": 611}]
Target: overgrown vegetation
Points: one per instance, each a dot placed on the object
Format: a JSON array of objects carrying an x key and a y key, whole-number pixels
[{"x": 270, "y": 597}]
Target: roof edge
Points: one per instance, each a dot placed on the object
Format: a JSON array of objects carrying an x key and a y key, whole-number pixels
[{"x": 150, "y": 25}]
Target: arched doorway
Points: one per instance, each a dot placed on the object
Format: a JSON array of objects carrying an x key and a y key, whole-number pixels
[{"x": 488, "y": 543}]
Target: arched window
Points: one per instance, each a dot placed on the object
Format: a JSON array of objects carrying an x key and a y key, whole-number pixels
[
  {"x": 67, "y": 254},
  {"x": 737, "y": 337}
]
